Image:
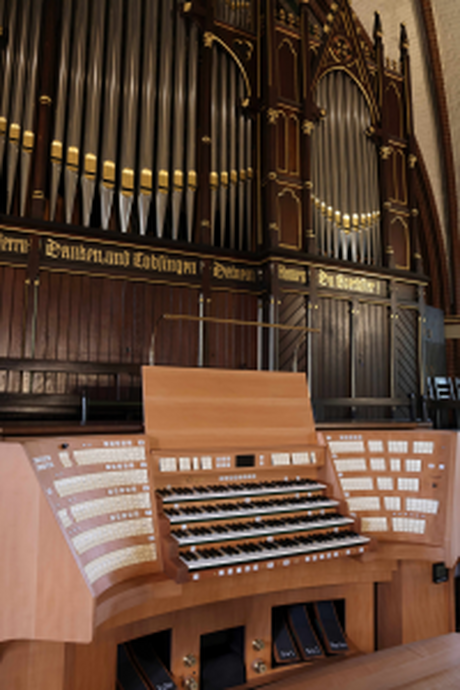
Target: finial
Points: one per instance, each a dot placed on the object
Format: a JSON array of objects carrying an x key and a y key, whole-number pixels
[
  {"x": 403, "y": 40},
  {"x": 378, "y": 33}
]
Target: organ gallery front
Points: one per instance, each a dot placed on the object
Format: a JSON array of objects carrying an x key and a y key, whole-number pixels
[{"x": 219, "y": 256}]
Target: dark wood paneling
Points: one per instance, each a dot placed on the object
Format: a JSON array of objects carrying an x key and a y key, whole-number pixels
[
  {"x": 292, "y": 312},
  {"x": 12, "y": 319},
  {"x": 406, "y": 341},
  {"x": 331, "y": 354},
  {"x": 231, "y": 346},
  {"x": 372, "y": 356}
]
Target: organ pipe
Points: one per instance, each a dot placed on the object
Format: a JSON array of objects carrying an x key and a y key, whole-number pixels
[
  {"x": 164, "y": 114},
  {"x": 191, "y": 127},
  {"x": 129, "y": 117},
  {"x": 61, "y": 99},
  {"x": 111, "y": 104},
  {"x": 214, "y": 175},
  {"x": 29, "y": 105},
  {"x": 17, "y": 105},
  {"x": 223, "y": 134},
  {"x": 75, "y": 111},
  {"x": 179, "y": 129},
  {"x": 148, "y": 100},
  {"x": 232, "y": 145},
  {"x": 242, "y": 153},
  {"x": 93, "y": 108},
  {"x": 344, "y": 170},
  {"x": 8, "y": 68}
]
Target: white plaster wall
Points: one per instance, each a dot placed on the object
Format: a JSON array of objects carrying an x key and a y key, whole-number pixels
[{"x": 447, "y": 20}]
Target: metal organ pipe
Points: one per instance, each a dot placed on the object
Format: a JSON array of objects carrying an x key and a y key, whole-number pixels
[
  {"x": 93, "y": 108},
  {"x": 28, "y": 135},
  {"x": 242, "y": 155},
  {"x": 178, "y": 133},
  {"x": 147, "y": 114},
  {"x": 192, "y": 180},
  {"x": 8, "y": 68},
  {"x": 111, "y": 104},
  {"x": 223, "y": 136},
  {"x": 164, "y": 114},
  {"x": 61, "y": 100},
  {"x": 344, "y": 171},
  {"x": 232, "y": 144},
  {"x": 75, "y": 110},
  {"x": 214, "y": 175},
  {"x": 130, "y": 112},
  {"x": 17, "y": 105}
]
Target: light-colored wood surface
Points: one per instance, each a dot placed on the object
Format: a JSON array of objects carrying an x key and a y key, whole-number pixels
[
  {"x": 432, "y": 664},
  {"x": 43, "y": 595},
  {"x": 26, "y": 665},
  {"x": 220, "y": 409},
  {"x": 411, "y": 607}
]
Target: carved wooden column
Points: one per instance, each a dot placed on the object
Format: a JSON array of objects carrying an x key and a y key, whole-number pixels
[
  {"x": 205, "y": 14},
  {"x": 309, "y": 238},
  {"x": 269, "y": 130},
  {"x": 384, "y": 150},
  {"x": 415, "y": 256}
]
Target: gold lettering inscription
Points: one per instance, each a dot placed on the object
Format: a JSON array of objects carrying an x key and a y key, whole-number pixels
[
  {"x": 231, "y": 272},
  {"x": 350, "y": 283},
  {"x": 293, "y": 274},
  {"x": 13, "y": 245},
  {"x": 120, "y": 258}
]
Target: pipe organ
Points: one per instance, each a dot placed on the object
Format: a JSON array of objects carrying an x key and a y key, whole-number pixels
[
  {"x": 228, "y": 544},
  {"x": 221, "y": 187}
]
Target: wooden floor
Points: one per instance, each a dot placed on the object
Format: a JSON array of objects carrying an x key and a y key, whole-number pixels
[{"x": 432, "y": 664}]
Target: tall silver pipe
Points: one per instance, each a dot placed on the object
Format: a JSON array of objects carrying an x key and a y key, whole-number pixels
[
  {"x": 148, "y": 100},
  {"x": 17, "y": 105},
  {"x": 111, "y": 106},
  {"x": 179, "y": 125},
  {"x": 74, "y": 124},
  {"x": 61, "y": 101},
  {"x": 93, "y": 107},
  {"x": 130, "y": 112},
  {"x": 8, "y": 67},
  {"x": 28, "y": 135},
  {"x": 192, "y": 179},
  {"x": 214, "y": 175},
  {"x": 249, "y": 177},
  {"x": 232, "y": 146},
  {"x": 164, "y": 113},
  {"x": 223, "y": 138},
  {"x": 242, "y": 153}
]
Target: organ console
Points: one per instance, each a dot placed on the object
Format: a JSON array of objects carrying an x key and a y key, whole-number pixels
[{"x": 230, "y": 543}]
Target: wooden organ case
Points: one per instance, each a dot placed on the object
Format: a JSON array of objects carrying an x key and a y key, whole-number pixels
[{"x": 229, "y": 525}]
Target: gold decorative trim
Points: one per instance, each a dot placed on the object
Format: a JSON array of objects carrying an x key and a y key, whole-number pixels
[
  {"x": 38, "y": 194},
  {"x": 73, "y": 155},
  {"x": 208, "y": 40},
  {"x": 28, "y": 140},
  {"x": 108, "y": 173},
  {"x": 90, "y": 165},
  {"x": 178, "y": 180},
  {"x": 127, "y": 180},
  {"x": 146, "y": 182},
  {"x": 308, "y": 127},
  {"x": 412, "y": 160},
  {"x": 163, "y": 181},
  {"x": 15, "y": 131},
  {"x": 45, "y": 100},
  {"x": 385, "y": 152},
  {"x": 272, "y": 116}
]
